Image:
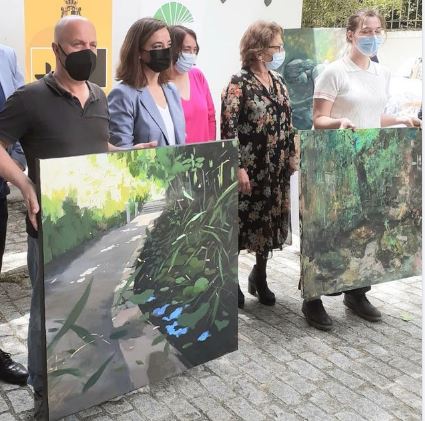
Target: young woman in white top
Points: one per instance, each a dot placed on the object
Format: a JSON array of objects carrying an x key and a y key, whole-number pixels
[{"x": 352, "y": 93}]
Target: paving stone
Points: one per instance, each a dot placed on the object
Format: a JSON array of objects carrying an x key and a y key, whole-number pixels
[
  {"x": 7, "y": 416},
  {"x": 150, "y": 408},
  {"x": 311, "y": 412},
  {"x": 348, "y": 416},
  {"x": 244, "y": 409},
  {"x": 285, "y": 392},
  {"x": 21, "y": 400},
  {"x": 217, "y": 388},
  {"x": 212, "y": 409}
]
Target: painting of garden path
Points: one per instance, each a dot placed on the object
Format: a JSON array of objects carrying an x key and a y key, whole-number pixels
[
  {"x": 360, "y": 208},
  {"x": 140, "y": 268}
]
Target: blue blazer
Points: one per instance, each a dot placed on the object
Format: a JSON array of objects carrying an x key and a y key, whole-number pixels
[
  {"x": 134, "y": 116},
  {"x": 10, "y": 80},
  {"x": 10, "y": 77}
]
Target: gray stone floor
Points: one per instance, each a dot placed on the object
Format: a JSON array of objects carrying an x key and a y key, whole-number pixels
[{"x": 284, "y": 370}]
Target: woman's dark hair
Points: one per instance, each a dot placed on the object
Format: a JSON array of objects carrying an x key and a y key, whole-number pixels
[
  {"x": 131, "y": 70},
  {"x": 357, "y": 19},
  {"x": 178, "y": 34}
]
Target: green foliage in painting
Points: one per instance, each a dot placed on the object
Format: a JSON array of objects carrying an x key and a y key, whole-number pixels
[
  {"x": 361, "y": 207},
  {"x": 80, "y": 207}
]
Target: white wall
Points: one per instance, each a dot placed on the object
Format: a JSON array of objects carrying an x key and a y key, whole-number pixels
[
  {"x": 12, "y": 28},
  {"x": 219, "y": 28},
  {"x": 400, "y": 50}
]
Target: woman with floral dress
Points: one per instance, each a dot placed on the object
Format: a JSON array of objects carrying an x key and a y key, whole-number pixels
[{"x": 255, "y": 110}]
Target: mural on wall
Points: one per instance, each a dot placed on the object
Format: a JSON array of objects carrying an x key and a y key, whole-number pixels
[
  {"x": 140, "y": 268},
  {"x": 307, "y": 53},
  {"x": 360, "y": 208},
  {"x": 40, "y": 19}
]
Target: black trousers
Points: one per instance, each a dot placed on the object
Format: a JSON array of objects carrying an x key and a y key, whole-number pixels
[{"x": 3, "y": 227}]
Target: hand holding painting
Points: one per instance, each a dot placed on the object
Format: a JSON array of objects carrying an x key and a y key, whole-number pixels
[
  {"x": 345, "y": 123},
  {"x": 243, "y": 181},
  {"x": 152, "y": 144}
]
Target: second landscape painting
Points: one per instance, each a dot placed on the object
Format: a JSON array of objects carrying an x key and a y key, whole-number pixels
[
  {"x": 140, "y": 268},
  {"x": 360, "y": 209}
]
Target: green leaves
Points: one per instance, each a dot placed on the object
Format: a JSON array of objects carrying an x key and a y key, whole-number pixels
[
  {"x": 191, "y": 319},
  {"x": 96, "y": 376},
  {"x": 143, "y": 297},
  {"x": 61, "y": 372},
  {"x": 221, "y": 324},
  {"x": 73, "y": 316},
  {"x": 158, "y": 340}
]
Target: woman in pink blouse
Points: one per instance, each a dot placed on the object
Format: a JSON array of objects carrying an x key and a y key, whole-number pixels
[{"x": 195, "y": 94}]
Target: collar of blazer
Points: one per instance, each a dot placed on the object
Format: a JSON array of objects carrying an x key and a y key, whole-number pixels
[
  {"x": 6, "y": 73},
  {"x": 149, "y": 104}
]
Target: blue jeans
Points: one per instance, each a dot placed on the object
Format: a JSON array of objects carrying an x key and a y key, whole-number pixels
[{"x": 35, "y": 343}]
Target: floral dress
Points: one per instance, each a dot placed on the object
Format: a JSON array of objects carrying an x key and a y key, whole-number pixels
[{"x": 261, "y": 120}]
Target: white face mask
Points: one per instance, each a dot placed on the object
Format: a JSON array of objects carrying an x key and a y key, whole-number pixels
[
  {"x": 277, "y": 60},
  {"x": 185, "y": 62}
]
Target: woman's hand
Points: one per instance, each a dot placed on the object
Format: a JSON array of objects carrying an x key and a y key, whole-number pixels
[
  {"x": 345, "y": 123},
  {"x": 243, "y": 180},
  {"x": 410, "y": 121},
  {"x": 146, "y": 145}
]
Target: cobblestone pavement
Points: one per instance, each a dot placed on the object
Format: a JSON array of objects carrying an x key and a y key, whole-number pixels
[{"x": 284, "y": 370}]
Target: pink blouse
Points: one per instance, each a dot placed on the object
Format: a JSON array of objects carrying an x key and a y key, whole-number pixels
[{"x": 199, "y": 111}]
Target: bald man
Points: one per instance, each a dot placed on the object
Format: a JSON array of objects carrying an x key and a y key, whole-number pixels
[{"x": 60, "y": 115}]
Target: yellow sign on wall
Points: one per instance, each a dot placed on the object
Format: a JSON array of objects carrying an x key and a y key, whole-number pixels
[{"x": 40, "y": 19}]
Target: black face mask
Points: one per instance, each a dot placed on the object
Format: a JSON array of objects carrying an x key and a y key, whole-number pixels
[
  {"x": 160, "y": 59},
  {"x": 80, "y": 64}
]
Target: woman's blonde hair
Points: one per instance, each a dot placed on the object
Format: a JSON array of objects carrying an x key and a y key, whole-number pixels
[{"x": 256, "y": 39}]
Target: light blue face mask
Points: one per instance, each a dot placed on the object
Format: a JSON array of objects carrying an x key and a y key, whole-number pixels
[
  {"x": 369, "y": 46},
  {"x": 185, "y": 62},
  {"x": 277, "y": 60}
]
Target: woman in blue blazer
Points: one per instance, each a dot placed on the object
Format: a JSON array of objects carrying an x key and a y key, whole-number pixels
[{"x": 145, "y": 106}]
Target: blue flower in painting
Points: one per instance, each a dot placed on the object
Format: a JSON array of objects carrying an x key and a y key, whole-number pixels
[
  {"x": 203, "y": 336},
  {"x": 151, "y": 299},
  {"x": 174, "y": 315},
  {"x": 172, "y": 331},
  {"x": 159, "y": 311}
]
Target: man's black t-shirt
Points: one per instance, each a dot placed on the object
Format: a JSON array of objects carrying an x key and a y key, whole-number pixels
[{"x": 50, "y": 123}]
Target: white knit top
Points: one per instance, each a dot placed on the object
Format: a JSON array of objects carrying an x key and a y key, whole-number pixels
[{"x": 357, "y": 94}]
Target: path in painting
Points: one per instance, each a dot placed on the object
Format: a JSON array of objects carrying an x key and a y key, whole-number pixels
[{"x": 134, "y": 360}]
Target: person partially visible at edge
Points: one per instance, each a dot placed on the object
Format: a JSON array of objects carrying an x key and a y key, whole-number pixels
[
  {"x": 10, "y": 79},
  {"x": 198, "y": 106},
  {"x": 145, "y": 106},
  {"x": 60, "y": 115},
  {"x": 351, "y": 93},
  {"x": 255, "y": 109}
]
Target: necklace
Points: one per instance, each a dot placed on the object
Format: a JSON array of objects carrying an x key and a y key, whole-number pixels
[{"x": 266, "y": 82}]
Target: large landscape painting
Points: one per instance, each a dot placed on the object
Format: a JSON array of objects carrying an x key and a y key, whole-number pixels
[
  {"x": 360, "y": 208},
  {"x": 140, "y": 268}
]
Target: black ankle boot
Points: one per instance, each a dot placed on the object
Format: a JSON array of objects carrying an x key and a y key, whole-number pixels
[
  {"x": 257, "y": 285},
  {"x": 241, "y": 298},
  {"x": 316, "y": 315},
  {"x": 362, "y": 307}
]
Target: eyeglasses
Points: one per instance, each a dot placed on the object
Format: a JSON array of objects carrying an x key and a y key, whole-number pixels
[{"x": 280, "y": 48}]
